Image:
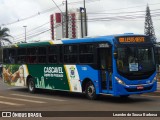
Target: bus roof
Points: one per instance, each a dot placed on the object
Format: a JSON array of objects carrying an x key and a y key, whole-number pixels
[{"x": 108, "y": 38}]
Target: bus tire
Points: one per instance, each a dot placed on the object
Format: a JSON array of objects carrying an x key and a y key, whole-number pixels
[
  {"x": 31, "y": 86},
  {"x": 90, "y": 91}
]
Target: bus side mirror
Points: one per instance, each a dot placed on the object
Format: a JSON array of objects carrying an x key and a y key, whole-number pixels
[{"x": 115, "y": 54}]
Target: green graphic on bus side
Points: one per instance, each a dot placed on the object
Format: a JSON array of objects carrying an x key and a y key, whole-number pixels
[
  {"x": 45, "y": 76},
  {"x": 49, "y": 76}
]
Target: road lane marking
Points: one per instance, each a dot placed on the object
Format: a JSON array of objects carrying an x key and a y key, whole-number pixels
[
  {"x": 11, "y": 88},
  {"x": 9, "y": 103},
  {"x": 20, "y": 99},
  {"x": 150, "y": 96},
  {"x": 60, "y": 100}
]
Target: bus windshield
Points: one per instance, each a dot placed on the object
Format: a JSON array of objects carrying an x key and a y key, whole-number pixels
[{"x": 135, "y": 60}]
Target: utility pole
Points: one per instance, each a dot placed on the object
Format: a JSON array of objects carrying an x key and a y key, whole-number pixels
[
  {"x": 81, "y": 13},
  {"x": 66, "y": 19},
  {"x": 85, "y": 18},
  {"x": 25, "y": 33}
]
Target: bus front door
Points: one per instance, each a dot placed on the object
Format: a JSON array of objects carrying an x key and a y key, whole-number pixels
[{"x": 105, "y": 65}]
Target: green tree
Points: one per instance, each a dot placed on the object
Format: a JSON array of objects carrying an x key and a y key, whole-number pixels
[
  {"x": 4, "y": 36},
  {"x": 148, "y": 28}
]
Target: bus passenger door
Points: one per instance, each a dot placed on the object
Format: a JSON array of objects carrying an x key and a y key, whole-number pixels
[{"x": 105, "y": 66}]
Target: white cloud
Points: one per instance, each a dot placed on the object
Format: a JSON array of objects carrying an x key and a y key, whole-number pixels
[{"x": 12, "y": 10}]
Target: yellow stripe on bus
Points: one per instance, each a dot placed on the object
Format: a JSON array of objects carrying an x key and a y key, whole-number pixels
[
  {"x": 51, "y": 42},
  {"x": 65, "y": 67},
  {"x": 15, "y": 45},
  {"x": 26, "y": 67}
]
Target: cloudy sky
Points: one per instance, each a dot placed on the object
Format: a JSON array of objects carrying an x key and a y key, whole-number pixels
[{"x": 105, "y": 16}]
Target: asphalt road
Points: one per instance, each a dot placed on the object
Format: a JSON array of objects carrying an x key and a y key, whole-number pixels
[{"x": 18, "y": 99}]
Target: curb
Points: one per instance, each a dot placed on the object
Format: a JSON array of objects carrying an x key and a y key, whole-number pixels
[{"x": 156, "y": 93}]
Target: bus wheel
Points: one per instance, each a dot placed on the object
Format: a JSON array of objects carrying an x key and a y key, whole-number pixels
[
  {"x": 90, "y": 91},
  {"x": 31, "y": 86}
]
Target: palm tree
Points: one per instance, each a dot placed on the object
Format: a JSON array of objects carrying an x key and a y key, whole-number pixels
[{"x": 4, "y": 35}]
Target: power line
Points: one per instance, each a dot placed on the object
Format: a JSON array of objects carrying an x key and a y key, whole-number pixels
[
  {"x": 120, "y": 12},
  {"x": 28, "y": 31},
  {"x": 45, "y": 11},
  {"x": 124, "y": 18},
  {"x": 129, "y": 7},
  {"x": 129, "y": 17},
  {"x": 39, "y": 33},
  {"x": 135, "y": 12},
  {"x": 37, "y": 14},
  {"x": 32, "y": 35},
  {"x": 51, "y": 9},
  {"x": 57, "y": 6},
  {"x": 47, "y": 22},
  {"x": 93, "y": 20},
  {"x": 80, "y": 2}
]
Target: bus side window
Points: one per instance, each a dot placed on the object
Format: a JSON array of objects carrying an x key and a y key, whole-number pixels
[
  {"x": 9, "y": 55},
  {"x": 11, "y": 58},
  {"x": 70, "y": 53},
  {"x": 32, "y": 55},
  {"x": 52, "y": 54},
  {"x": 5, "y": 56},
  {"x": 61, "y": 54},
  {"x": 1, "y": 55},
  {"x": 86, "y": 53},
  {"x": 42, "y": 55},
  {"x": 22, "y": 55}
]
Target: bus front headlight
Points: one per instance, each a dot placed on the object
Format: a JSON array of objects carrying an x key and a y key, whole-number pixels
[
  {"x": 120, "y": 81},
  {"x": 154, "y": 79}
]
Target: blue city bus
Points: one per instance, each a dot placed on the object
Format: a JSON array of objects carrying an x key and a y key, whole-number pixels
[
  {"x": 117, "y": 65},
  {"x": 157, "y": 56}
]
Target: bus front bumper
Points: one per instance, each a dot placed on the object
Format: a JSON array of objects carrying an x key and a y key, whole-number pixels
[{"x": 135, "y": 89}]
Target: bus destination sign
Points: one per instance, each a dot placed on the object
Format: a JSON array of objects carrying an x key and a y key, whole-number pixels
[{"x": 131, "y": 39}]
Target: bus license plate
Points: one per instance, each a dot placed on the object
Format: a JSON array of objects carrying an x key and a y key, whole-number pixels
[{"x": 140, "y": 87}]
